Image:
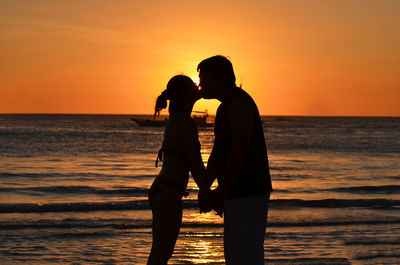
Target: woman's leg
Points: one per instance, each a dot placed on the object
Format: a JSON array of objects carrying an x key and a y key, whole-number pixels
[{"x": 166, "y": 207}]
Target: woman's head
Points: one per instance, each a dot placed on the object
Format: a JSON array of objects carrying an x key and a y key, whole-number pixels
[{"x": 181, "y": 92}]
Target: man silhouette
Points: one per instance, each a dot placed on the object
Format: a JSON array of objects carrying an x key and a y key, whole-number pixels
[{"x": 240, "y": 163}]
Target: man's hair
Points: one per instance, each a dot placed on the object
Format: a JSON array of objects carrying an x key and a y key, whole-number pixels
[{"x": 219, "y": 66}]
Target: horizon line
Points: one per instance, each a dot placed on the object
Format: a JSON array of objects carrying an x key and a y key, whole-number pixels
[{"x": 148, "y": 114}]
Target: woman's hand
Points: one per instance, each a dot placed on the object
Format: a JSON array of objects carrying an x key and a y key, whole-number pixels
[{"x": 204, "y": 197}]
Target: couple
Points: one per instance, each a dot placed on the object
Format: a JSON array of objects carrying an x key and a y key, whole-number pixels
[{"x": 238, "y": 160}]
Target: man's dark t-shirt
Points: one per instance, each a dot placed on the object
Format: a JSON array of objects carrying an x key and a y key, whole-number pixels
[{"x": 254, "y": 177}]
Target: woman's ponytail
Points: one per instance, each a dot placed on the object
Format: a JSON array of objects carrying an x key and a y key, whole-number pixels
[{"x": 161, "y": 103}]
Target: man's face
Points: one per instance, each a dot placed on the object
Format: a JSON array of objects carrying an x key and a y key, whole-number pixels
[{"x": 208, "y": 85}]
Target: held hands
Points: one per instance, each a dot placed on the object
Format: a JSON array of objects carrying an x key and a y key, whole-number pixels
[{"x": 212, "y": 200}]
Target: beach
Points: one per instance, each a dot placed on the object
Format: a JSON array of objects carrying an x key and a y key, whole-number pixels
[{"x": 73, "y": 190}]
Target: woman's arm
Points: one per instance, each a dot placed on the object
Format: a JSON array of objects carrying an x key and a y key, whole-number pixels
[{"x": 192, "y": 147}]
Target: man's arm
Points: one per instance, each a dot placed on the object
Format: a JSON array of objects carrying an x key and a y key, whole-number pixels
[
  {"x": 241, "y": 114},
  {"x": 212, "y": 167}
]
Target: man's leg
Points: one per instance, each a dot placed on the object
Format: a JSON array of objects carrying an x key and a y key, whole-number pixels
[{"x": 244, "y": 230}]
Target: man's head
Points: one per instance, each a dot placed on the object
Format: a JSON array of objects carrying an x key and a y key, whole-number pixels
[{"x": 216, "y": 75}]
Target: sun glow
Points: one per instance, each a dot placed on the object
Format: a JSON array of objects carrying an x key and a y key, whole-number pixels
[
  {"x": 196, "y": 80},
  {"x": 297, "y": 59}
]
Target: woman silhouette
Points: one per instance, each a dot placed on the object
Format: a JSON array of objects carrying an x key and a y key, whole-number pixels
[{"x": 180, "y": 154}]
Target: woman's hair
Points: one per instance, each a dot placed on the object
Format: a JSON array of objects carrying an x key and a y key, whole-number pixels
[{"x": 177, "y": 87}]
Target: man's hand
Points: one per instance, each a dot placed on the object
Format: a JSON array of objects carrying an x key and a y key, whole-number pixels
[{"x": 218, "y": 197}]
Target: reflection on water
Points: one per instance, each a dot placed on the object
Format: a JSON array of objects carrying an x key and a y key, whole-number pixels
[
  {"x": 201, "y": 248},
  {"x": 86, "y": 159},
  {"x": 202, "y": 252}
]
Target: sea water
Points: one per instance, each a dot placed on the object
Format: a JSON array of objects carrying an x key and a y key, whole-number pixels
[{"x": 73, "y": 190}]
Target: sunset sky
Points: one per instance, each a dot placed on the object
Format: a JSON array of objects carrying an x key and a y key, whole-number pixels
[{"x": 297, "y": 57}]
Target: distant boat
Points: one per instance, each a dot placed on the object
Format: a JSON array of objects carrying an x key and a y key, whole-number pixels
[
  {"x": 150, "y": 123},
  {"x": 200, "y": 119}
]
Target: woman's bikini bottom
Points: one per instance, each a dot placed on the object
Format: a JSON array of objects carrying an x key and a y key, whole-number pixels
[{"x": 160, "y": 185}]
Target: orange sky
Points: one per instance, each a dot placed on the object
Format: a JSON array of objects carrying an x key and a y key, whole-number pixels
[{"x": 334, "y": 57}]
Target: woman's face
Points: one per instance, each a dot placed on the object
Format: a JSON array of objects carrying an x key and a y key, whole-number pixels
[
  {"x": 196, "y": 92},
  {"x": 192, "y": 95},
  {"x": 186, "y": 99}
]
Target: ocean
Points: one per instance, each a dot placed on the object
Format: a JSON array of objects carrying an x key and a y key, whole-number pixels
[{"x": 73, "y": 190}]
